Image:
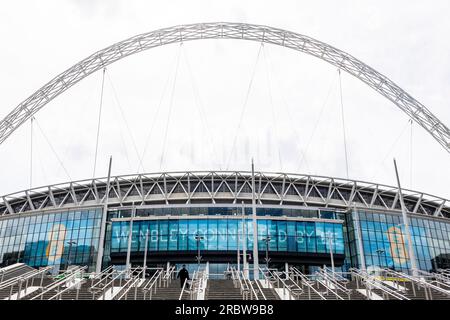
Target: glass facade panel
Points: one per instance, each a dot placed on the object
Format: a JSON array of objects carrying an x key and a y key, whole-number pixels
[
  {"x": 222, "y": 235},
  {"x": 59, "y": 239},
  {"x": 385, "y": 243}
]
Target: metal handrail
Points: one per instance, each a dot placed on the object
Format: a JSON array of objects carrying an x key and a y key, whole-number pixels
[
  {"x": 12, "y": 281},
  {"x": 68, "y": 288},
  {"x": 236, "y": 276},
  {"x": 260, "y": 289},
  {"x": 249, "y": 285},
  {"x": 191, "y": 285},
  {"x": 106, "y": 272},
  {"x": 336, "y": 275},
  {"x": 72, "y": 273},
  {"x": 3, "y": 271},
  {"x": 150, "y": 286},
  {"x": 441, "y": 279},
  {"x": 133, "y": 282},
  {"x": 305, "y": 281},
  {"x": 330, "y": 280},
  {"x": 25, "y": 276},
  {"x": 183, "y": 288},
  {"x": 371, "y": 281},
  {"x": 200, "y": 279},
  {"x": 102, "y": 290},
  {"x": 168, "y": 276},
  {"x": 274, "y": 274},
  {"x": 19, "y": 280},
  {"x": 100, "y": 277},
  {"x": 169, "y": 272},
  {"x": 329, "y": 289},
  {"x": 420, "y": 282},
  {"x": 443, "y": 275},
  {"x": 446, "y": 271}
]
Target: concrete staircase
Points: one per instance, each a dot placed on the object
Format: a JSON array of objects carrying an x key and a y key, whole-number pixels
[
  {"x": 268, "y": 292},
  {"x": 171, "y": 292},
  {"x": 420, "y": 293},
  {"x": 16, "y": 270},
  {"x": 222, "y": 290}
]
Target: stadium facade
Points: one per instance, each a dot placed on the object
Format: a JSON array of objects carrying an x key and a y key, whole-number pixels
[
  {"x": 213, "y": 220},
  {"x": 302, "y": 221}
]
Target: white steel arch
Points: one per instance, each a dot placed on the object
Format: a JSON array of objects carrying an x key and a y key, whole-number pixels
[{"x": 225, "y": 30}]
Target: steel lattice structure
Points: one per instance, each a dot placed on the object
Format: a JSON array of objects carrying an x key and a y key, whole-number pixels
[
  {"x": 224, "y": 30},
  {"x": 223, "y": 187}
]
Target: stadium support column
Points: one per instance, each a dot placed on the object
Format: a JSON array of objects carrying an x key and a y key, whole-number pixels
[
  {"x": 130, "y": 234},
  {"x": 238, "y": 250},
  {"x": 101, "y": 242},
  {"x": 360, "y": 243},
  {"x": 145, "y": 255},
  {"x": 244, "y": 242},
  {"x": 255, "y": 228},
  {"x": 412, "y": 256}
]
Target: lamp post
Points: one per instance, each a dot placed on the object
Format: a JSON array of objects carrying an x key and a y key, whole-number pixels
[
  {"x": 331, "y": 255},
  {"x": 244, "y": 242},
  {"x": 267, "y": 240},
  {"x": 70, "y": 243},
  {"x": 198, "y": 238},
  {"x": 412, "y": 257},
  {"x": 379, "y": 252},
  {"x": 145, "y": 254}
]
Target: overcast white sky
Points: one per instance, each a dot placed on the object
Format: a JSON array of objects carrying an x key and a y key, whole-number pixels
[{"x": 287, "y": 114}]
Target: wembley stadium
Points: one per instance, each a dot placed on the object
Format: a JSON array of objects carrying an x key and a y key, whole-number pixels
[{"x": 239, "y": 234}]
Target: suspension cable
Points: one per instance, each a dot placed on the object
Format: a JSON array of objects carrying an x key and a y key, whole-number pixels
[
  {"x": 274, "y": 115},
  {"x": 44, "y": 173},
  {"x": 53, "y": 149},
  {"x": 343, "y": 123},
  {"x": 170, "y": 108},
  {"x": 391, "y": 148},
  {"x": 411, "y": 155},
  {"x": 158, "y": 109},
  {"x": 244, "y": 106},
  {"x": 31, "y": 152},
  {"x": 200, "y": 107},
  {"x": 98, "y": 123},
  {"x": 316, "y": 125},
  {"x": 122, "y": 139},
  {"x": 122, "y": 114},
  {"x": 289, "y": 114}
]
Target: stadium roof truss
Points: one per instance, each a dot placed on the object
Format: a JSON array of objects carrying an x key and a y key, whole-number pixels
[
  {"x": 224, "y": 30},
  {"x": 223, "y": 187}
]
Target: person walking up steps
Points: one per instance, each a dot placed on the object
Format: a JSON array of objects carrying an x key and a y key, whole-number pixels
[{"x": 183, "y": 274}]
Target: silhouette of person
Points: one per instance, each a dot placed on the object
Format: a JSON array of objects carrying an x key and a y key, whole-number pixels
[{"x": 183, "y": 274}]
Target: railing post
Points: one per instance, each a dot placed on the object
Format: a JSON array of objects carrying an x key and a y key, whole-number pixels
[{"x": 414, "y": 288}]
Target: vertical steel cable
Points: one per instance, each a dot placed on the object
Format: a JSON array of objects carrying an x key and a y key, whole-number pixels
[
  {"x": 31, "y": 152},
  {"x": 124, "y": 119},
  {"x": 149, "y": 135},
  {"x": 343, "y": 123},
  {"x": 316, "y": 125},
  {"x": 170, "y": 109},
  {"x": 200, "y": 107},
  {"x": 391, "y": 148},
  {"x": 411, "y": 155},
  {"x": 273, "y": 113},
  {"x": 98, "y": 124},
  {"x": 244, "y": 106},
  {"x": 53, "y": 149}
]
